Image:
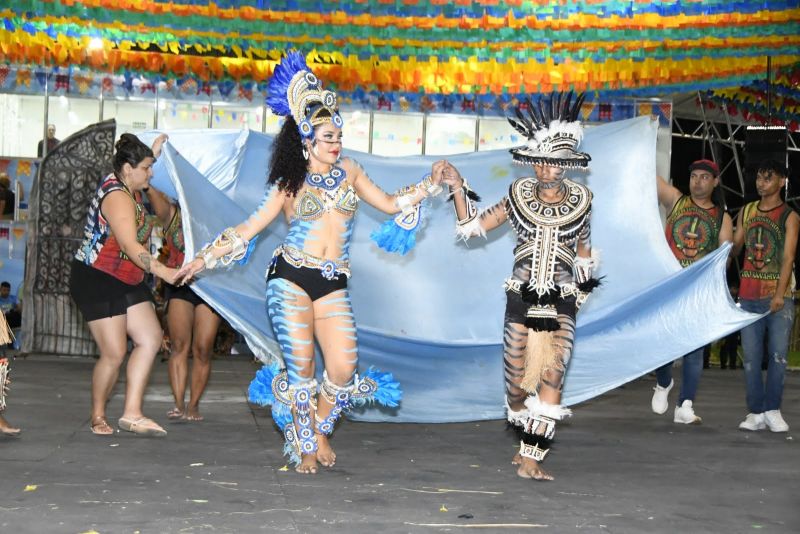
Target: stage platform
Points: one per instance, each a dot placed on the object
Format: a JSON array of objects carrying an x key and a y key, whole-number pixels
[{"x": 619, "y": 468}]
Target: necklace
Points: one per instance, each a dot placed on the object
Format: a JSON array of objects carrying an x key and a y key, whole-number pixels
[{"x": 329, "y": 181}]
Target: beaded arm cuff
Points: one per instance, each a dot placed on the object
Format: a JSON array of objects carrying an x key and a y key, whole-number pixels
[
  {"x": 228, "y": 237},
  {"x": 405, "y": 196},
  {"x": 470, "y": 225},
  {"x": 583, "y": 268}
]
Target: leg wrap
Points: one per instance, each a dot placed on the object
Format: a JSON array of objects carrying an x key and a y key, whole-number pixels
[
  {"x": 339, "y": 397},
  {"x": 536, "y": 436},
  {"x": 3, "y": 382},
  {"x": 299, "y": 433},
  {"x": 535, "y": 426}
]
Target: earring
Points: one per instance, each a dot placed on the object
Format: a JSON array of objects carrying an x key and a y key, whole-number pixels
[{"x": 305, "y": 153}]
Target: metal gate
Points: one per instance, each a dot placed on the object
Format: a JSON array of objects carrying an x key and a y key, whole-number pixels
[{"x": 64, "y": 186}]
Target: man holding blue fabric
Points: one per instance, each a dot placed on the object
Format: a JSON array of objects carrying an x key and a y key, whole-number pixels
[
  {"x": 767, "y": 229},
  {"x": 695, "y": 227}
]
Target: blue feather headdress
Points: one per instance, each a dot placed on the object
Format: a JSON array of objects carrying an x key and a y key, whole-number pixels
[{"x": 295, "y": 90}]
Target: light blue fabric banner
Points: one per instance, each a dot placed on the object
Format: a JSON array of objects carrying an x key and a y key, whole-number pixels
[{"x": 434, "y": 317}]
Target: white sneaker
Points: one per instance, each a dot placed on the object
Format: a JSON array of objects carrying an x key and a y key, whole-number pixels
[
  {"x": 753, "y": 421},
  {"x": 775, "y": 422},
  {"x": 659, "y": 404},
  {"x": 685, "y": 414}
]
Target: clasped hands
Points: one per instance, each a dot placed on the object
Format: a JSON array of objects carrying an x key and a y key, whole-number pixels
[{"x": 444, "y": 171}]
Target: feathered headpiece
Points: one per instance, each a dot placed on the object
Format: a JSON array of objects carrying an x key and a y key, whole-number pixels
[
  {"x": 553, "y": 131},
  {"x": 295, "y": 90}
]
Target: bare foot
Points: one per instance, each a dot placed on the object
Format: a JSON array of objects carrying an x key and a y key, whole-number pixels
[
  {"x": 308, "y": 465},
  {"x": 325, "y": 453},
  {"x": 516, "y": 460},
  {"x": 530, "y": 468},
  {"x": 193, "y": 414},
  {"x": 175, "y": 413},
  {"x": 7, "y": 429}
]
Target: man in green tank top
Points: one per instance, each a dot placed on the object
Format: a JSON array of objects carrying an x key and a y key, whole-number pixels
[{"x": 695, "y": 227}]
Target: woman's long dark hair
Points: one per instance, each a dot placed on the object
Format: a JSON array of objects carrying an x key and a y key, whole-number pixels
[
  {"x": 129, "y": 149},
  {"x": 287, "y": 168}
]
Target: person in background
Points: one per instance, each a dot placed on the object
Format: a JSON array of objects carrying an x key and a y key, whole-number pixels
[
  {"x": 767, "y": 230},
  {"x": 10, "y": 306},
  {"x": 107, "y": 284},
  {"x": 191, "y": 323},
  {"x": 696, "y": 226},
  {"x": 7, "y": 197},
  {"x": 51, "y": 142}
]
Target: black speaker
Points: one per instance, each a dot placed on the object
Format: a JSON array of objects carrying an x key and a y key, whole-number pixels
[{"x": 764, "y": 142}]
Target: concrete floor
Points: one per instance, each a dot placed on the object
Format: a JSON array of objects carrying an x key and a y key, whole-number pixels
[{"x": 619, "y": 467}]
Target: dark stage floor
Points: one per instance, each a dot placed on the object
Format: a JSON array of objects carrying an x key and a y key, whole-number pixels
[{"x": 619, "y": 468}]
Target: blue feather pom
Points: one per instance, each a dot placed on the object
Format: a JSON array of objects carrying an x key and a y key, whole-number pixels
[
  {"x": 278, "y": 85},
  {"x": 260, "y": 390},
  {"x": 388, "y": 392},
  {"x": 281, "y": 414},
  {"x": 399, "y": 234}
]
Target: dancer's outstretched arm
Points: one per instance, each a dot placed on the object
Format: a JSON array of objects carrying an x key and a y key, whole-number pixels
[
  {"x": 232, "y": 244},
  {"x": 470, "y": 221},
  {"x": 402, "y": 200}
]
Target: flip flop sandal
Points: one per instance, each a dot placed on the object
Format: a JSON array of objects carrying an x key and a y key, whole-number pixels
[
  {"x": 100, "y": 427},
  {"x": 142, "y": 426}
]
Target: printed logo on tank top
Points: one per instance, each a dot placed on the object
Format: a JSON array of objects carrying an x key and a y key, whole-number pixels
[
  {"x": 765, "y": 235},
  {"x": 692, "y": 232}
]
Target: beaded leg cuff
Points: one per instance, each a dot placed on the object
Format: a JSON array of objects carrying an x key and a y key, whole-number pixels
[
  {"x": 535, "y": 432},
  {"x": 532, "y": 451},
  {"x": 339, "y": 397}
]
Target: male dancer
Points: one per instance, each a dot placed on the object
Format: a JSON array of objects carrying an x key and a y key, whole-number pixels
[{"x": 552, "y": 273}]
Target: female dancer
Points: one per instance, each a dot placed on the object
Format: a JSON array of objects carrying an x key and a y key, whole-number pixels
[
  {"x": 191, "y": 322},
  {"x": 552, "y": 273},
  {"x": 107, "y": 284},
  {"x": 307, "y": 295}
]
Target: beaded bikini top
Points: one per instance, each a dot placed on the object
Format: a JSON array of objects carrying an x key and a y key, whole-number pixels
[{"x": 326, "y": 192}]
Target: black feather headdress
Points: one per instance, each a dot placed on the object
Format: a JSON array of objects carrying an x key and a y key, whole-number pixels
[{"x": 553, "y": 132}]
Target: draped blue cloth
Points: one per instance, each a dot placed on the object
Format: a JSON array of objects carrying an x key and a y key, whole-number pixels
[{"x": 434, "y": 317}]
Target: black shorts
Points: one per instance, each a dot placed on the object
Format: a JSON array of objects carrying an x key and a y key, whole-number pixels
[
  {"x": 309, "y": 280},
  {"x": 183, "y": 293},
  {"x": 100, "y": 295}
]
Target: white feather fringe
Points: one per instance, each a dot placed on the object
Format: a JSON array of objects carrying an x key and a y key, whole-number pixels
[{"x": 553, "y": 411}]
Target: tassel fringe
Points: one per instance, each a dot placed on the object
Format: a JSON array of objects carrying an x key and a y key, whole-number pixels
[{"x": 540, "y": 356}]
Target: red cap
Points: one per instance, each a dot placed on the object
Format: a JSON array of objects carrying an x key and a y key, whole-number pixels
[{"x": 705, "y": 165}]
